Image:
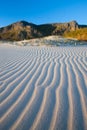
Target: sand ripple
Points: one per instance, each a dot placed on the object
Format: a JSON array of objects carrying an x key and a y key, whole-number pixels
[{"x": 43, "y": 88}]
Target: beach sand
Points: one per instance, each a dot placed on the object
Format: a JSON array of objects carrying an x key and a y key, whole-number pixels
[{"x": 43, "y": 88}]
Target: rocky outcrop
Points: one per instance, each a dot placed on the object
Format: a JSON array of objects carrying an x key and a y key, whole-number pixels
[
  {"x": 19, "y": 31},
  {"x": 24, "y": 30}
]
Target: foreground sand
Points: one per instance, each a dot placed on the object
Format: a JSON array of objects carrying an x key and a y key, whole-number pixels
[{"x": 43, "y": 88}]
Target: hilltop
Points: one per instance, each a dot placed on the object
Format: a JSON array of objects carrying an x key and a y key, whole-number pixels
[{"x": 24, "y": 30}]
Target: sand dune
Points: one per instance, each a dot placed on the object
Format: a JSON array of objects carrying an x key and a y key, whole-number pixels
[{"x": 43, "y": 88}]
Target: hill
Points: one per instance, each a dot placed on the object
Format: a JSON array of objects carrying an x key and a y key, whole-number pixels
[{"x": 23, "y": 30}]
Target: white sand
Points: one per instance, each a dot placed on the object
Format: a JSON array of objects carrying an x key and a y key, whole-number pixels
[{"x": 43, "y": 88}]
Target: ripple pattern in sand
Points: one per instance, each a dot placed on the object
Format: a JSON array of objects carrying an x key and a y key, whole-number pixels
[{"x": 43, "y": 88}]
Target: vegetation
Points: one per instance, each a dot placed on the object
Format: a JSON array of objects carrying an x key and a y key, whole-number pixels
[{"x": 80, "y": 34}]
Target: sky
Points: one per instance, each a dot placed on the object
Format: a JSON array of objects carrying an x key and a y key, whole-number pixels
[{"x": 43, "y": 11}]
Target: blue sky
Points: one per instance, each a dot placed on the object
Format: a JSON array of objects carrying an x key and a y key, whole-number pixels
[{"x": 43, "y": 11}]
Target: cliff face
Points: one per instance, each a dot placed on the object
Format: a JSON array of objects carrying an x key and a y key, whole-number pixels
[
  {"x": 24, "y": 30},
  {"x": 65, "y": 27}
]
